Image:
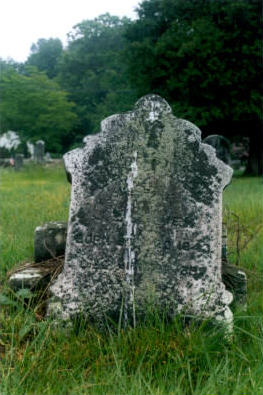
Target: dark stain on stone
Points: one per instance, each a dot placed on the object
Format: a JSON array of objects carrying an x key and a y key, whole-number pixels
[{"x": 154, "y": 134}]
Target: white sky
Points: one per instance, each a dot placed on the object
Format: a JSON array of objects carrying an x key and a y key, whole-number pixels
[{"x": 23, "y": 22}]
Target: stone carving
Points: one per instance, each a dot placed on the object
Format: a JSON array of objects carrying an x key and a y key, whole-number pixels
[
  {"x": 145, "y": 220},
  {"x": 221, "y": 145},
  {"x": 39, "y": 151}
]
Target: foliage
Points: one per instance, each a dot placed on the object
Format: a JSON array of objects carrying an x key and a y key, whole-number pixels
[
  {"x": 204, "y": 57},
  {"x": 45, "y": 55},
  {"x": 157, "y": 357},
  {"x": 93, "y": 73},
  {"x": 36, "y": 107},
  {"x": 28, "y": 199}
]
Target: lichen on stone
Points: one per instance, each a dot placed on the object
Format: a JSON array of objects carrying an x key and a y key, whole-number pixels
[{"x": 145, "y": 219}]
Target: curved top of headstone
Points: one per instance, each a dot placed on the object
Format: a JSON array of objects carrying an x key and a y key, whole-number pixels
[
  {"x": 149, "y": 110},
  {"x": 214, "y": 139},
  {"x": 154, "y": 105}
]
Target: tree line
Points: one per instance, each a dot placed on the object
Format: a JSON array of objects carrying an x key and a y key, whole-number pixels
[{"x": 202, "y": 56}]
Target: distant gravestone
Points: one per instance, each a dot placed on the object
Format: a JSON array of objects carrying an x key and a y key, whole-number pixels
[
  {"x": 19, "y": 161},
  {"x": 48, "y": 158},
  {"x": 39, "y": 151},
  {"x": 221, "y": 145},
  {"x": 145, "y": 220}
]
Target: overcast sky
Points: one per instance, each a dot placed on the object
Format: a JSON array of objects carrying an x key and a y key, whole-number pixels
[{"x": 23, "y": 22}]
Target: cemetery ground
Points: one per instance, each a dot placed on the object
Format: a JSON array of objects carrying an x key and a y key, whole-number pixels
[{"x": 157, "y": 357}]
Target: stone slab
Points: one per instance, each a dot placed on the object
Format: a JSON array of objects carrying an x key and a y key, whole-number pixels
[{"x": 145, "y": 220}]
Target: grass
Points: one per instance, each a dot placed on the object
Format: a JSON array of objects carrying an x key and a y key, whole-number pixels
[
  {"x": 157, "y": 357},
  {"x": 27, "y": 199}
]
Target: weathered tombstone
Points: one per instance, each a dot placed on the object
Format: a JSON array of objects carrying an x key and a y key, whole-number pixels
[
  {"x": 221, "y": 145},
  {"x": 19, "y": 161},
  {"x": 48, "y": 158},
  {"x": 145, "y": 220},
  {"x": 39, "y": 151},
  {"x": 50, "y": 240}
]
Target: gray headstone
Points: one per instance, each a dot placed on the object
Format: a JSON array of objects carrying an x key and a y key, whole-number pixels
[
  {"x": 19, "y": 161},
  {"x": 221, "y": 145},
  {"x": 145, "y": 220},
  {"x": 39, "y": 151},
  {"x": 50, "y": 241},
  {"x": 48, "y": 158}
]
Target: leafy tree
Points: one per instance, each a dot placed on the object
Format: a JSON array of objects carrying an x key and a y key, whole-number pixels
[
  {"x": 45, "y": 55},
  {"x": 36, "y": 107},
  {"x": 204, "y": 57},
  {"x": 93, "y": 72}
]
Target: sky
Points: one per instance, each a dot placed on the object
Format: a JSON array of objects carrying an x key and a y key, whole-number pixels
[{"x": 23, "y": 22}]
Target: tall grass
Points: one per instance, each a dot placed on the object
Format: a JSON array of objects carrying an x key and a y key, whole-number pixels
[{"x": 158, "y": 357}]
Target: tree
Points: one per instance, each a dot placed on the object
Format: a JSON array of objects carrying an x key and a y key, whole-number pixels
[
  {"x": 204, "y": 57},
  {"x": 45, "y": 55},
  {"x": 93, "y": 72},
  {"x": 36, "y": 107}
]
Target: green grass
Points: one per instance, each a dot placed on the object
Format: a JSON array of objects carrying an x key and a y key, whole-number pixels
[
  {"x": 27, "y": 199},
  {"x": 244, "y": 198},
  {"x": 155, "y": 358}
]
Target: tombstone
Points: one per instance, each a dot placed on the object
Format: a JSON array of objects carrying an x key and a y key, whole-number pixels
[
  {"x": 48, "y": 158},
  {"x": 221, "y": 145},
  {"x": 50, "y": 240},
  {"x": 145, "y": 221},
  {"x": 39, "y": 151},
  {"x": 49, "y": 248},
  {"x": 19, "y": 161}
]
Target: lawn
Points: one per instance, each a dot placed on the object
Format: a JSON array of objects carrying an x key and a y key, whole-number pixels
[{"x": 157, "y": 357}]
